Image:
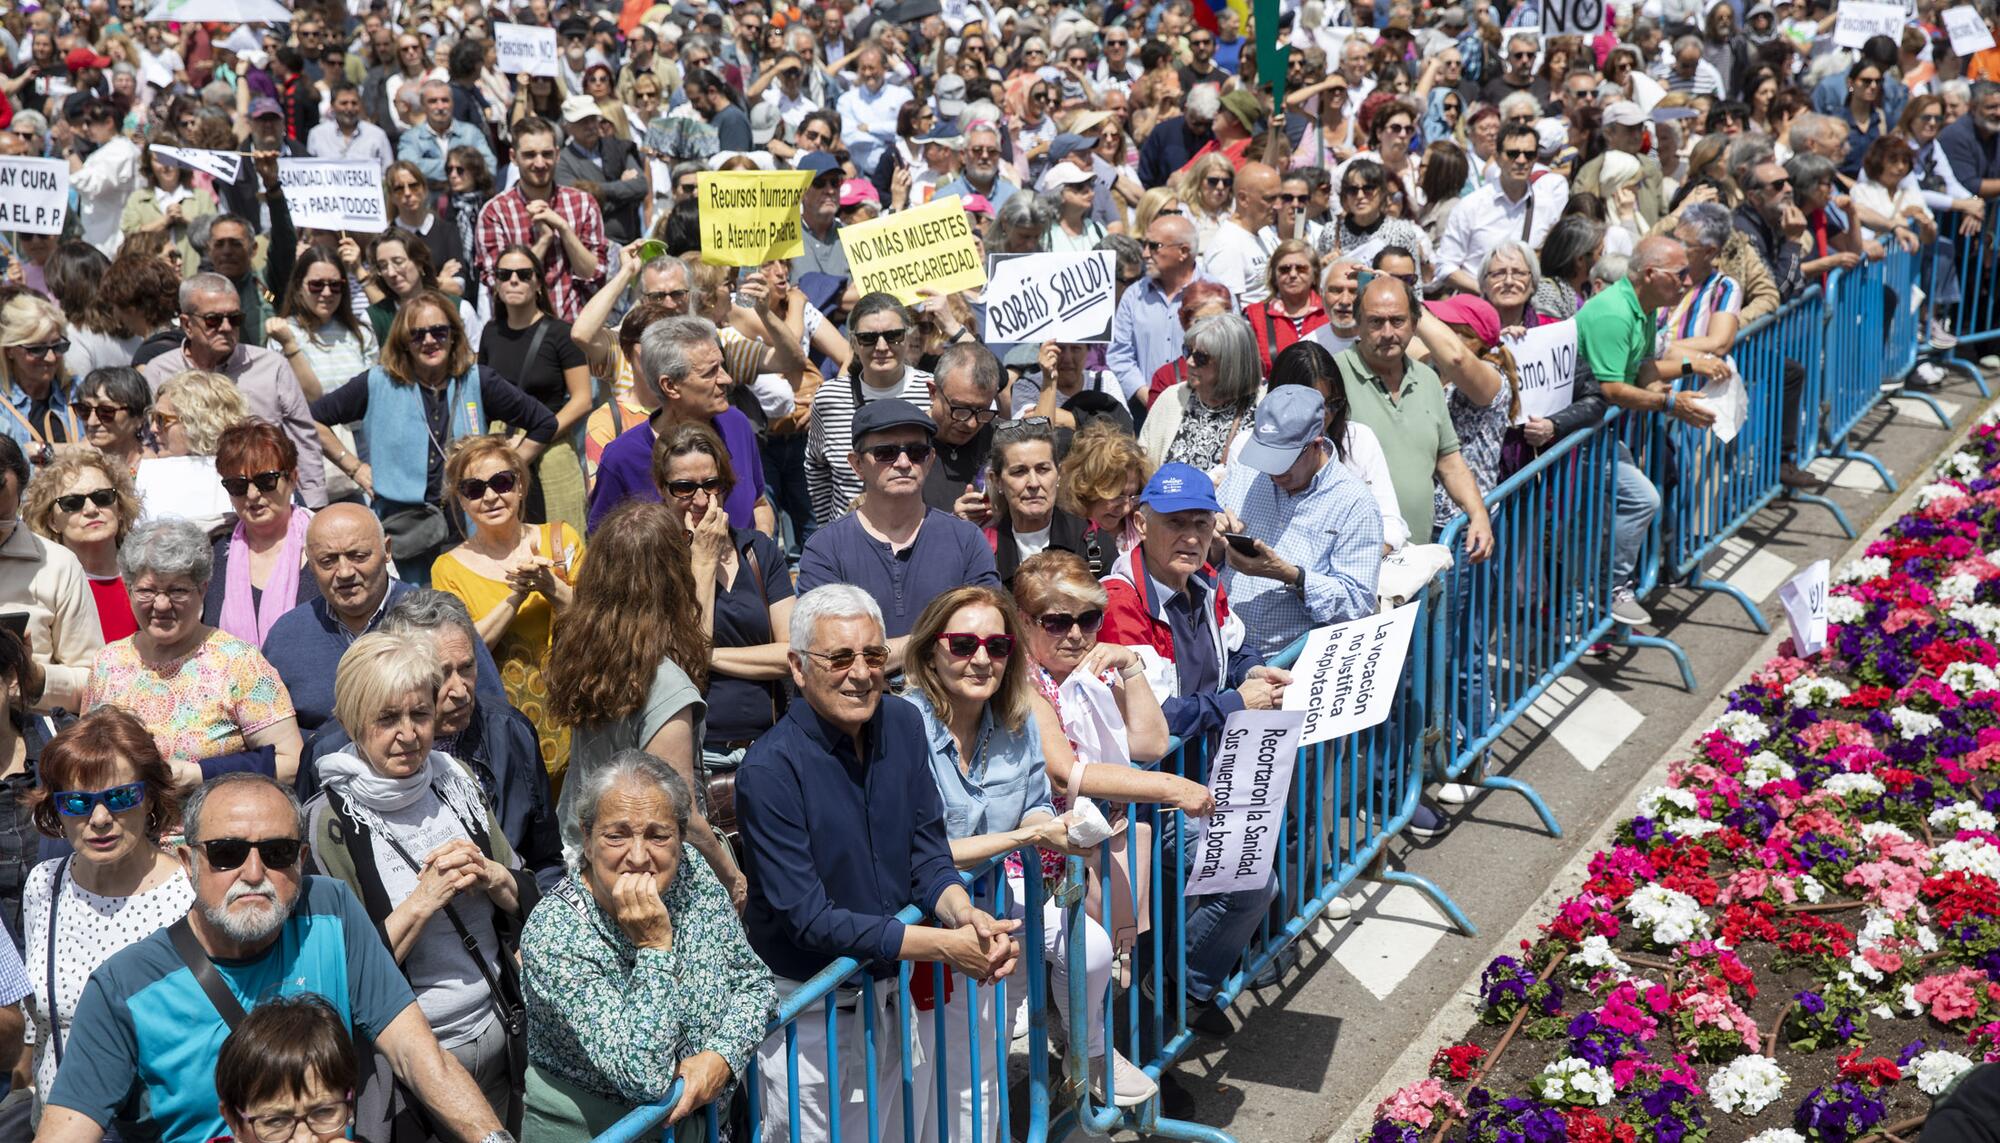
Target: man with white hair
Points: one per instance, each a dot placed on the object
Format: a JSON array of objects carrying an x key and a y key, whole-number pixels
[
  {"x": 1174, "y": 142},
  {"x": 1688, "y": 72},
  {"x": 843, "y": 828},
  {"x": 868, "y": 109},
  {"x": 427, "y": 143},
  {"x": 1146, "y": 327},
  {"x": 981, "y": 174}
]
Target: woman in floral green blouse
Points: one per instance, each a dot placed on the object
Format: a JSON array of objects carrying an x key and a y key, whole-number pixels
[{"x": 635, "y": 968}]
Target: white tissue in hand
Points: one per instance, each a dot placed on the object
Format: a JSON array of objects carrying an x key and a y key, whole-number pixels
[{"x": 1087, "y": 826}]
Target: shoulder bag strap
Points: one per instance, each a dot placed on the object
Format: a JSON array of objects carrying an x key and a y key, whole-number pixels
[
  {"x": 1528, "y": 220},
  {"x": 196, "y": 958},
  {"x": 55, "y": 908},
  {"x": 509, "y": 1015},
  {"x": 534, "y": 347}
]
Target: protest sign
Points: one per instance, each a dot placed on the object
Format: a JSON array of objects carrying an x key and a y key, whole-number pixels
[
  {"x": 1546, "y": 359},
  {"x": 1250, "y": 778},
  {"x": 1968, "y": 30},
  {"x": 333, "y": 194},
  {"x": 1345, "y": 679},
  {"x": 928, "y": 246},
  {"x": 1052, "y": 297},
  {"x": 749, "y": 218},
  {"x": 525, "y": 49},
  {"x": 1804, "y": 598},
  {"x": 224, "y": 165},
  {"x": 1856, "y": 20},
  {"x": 1572, "y": 17},
  {"x": 34, "y": 195}
]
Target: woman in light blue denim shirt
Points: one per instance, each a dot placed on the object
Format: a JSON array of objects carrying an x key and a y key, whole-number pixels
[{"x": 967, "y": 673}]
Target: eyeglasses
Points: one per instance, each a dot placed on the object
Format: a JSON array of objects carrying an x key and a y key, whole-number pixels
[
  {"x": 1868, "y": 81},
  {"x": 1295, "y": 199},
  {"x": 1397, "y": 128},
  {"x": 1058, "y": 624},
  {"x": 843, "y": 659},
  {"x": 983, "y": 152},
  {"x": 55, "y": 348},
  {"x": 161, "y": 422},
  {"x": 917, "y": 451},
  {"x": 1517, "y": 153},
  {"x": 1219, "y": 182},
  {"x": 964, "y": 413},
  {"x": 1520, "y": 55},
  {"x": 816, "y": 138},
  {"x": 266, "y": 482},
  {"x": 1779, "y": 183},
  {"x": 1359, "y": 188},
  {"x": 502, "y": 483},
  {"x": 685, "y": 489},
  {"x": 687, "y": 188},
  {"x": 406, "y": 187},
  {"x": 513, "y": 274},
  {"x": 875, "y": 337},
  {"x": 1295, "y": 268},
  {"x": 674, "y": 296},
  {"x": 227, "y": 853},
  {"x": 324, "y": 286},
  {"x": 323, "y": 1120},
  {"x": 433, "y": 333},
  {"x": 178, "y": 596},
  {"x": 1201, "y": 359},
  {"x": 1200, "y": 42},
  {"x": 964, "y": 646},
  {"x": 456, "y": 169},
  {"x": 117, "y": 799},
  {"x": 213, "y": 322},
  {"x": 1508, "y": 274},
  {"x": 103, "y": 413}
]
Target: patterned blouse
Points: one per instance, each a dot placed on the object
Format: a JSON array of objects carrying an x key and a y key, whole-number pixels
[
  {"x": 1203, "y": 438},
  {"x": 1479, "y": 436},
  {"x": 205, "y": 703},
  {"x": 616, "y": 1019}
]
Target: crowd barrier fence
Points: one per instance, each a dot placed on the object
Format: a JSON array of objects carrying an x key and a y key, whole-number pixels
[
  {"x": 1964, "y": 280},
  {"x": 1490, "y": 639}
]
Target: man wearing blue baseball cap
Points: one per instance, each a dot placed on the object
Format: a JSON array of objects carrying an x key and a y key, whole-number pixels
[{"x": 1315, "y": 532}]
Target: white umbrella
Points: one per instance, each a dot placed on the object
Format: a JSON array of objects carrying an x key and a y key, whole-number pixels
[{"x": 230, "y": 11}]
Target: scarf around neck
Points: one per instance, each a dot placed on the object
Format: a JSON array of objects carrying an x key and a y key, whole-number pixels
[
  {"x": 369, "y": 795},
  {"x": 249, "y": 621}
]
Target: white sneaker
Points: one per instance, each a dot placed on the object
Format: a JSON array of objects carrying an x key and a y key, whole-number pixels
[
  {"x": 1930, "y": 373},
  {"x": 1457, "y": 793},
  {"x": 1941, "y": 336},
  {"x": 1134, "y": 1086},
  {"x": 1341, "y": 908},
  {"x": 1625, "y": 609}
]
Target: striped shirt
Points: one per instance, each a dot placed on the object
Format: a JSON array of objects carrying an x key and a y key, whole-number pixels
[
  {"x": 830, "y": 437},
  {"x": 1706, "y": 80},
  {"x": 1717, "y": 294}
]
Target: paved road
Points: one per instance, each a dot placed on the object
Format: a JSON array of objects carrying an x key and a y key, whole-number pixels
[{"x": 1309, "y": 1056}]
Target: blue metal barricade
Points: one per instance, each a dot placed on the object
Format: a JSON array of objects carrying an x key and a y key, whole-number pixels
[
  {"x": 1851, "y": 367},
  {"x": 1963, "y": 289}
]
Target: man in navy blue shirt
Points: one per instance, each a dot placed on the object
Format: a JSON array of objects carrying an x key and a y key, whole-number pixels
[
  {"x": 895, "y": 547},
  {"x": 843, "y": 829}
]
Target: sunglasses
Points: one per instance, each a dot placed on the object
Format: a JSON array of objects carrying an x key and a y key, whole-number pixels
[
  {"x": 965, "y": 646},
  {"x": 918, "y": 452},
  {"x": 501, "y": 483},
  {"x": 665, "y": 295},
  {"x": 266, "y": 482},
  {"x": 1359, "y": 188},
  {"x": 103, "y": 413},
  {"x": 161, "y": 422},
  {"x": 1218, "y": 182},
  {"x": 54, "y": 348},
  {"x": 1517, "y": 153},
  {"x": 876, "y": 337},
  {"x": 876, "y": 658},
  {"x": 227, "y": 853},
  {"x": 1775, "y": 184},
  {"x": 1295, "y": 199},
  {"x": 437, "y": 333},
  {"x": 325, "y": 286},
  {"x": 102, "y": 497},
  {"x": 213, "y": 322},
  {"x": 117, "y": 799},
  {"x": 1058, "y": 623},
  {"x": 514, "y": 274},
  {"x": 406, "y": 187},
  {"x": 461, "y": 168},
  {"x": 685, "y": 489}
]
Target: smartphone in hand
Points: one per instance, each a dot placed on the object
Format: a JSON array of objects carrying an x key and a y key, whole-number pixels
[{"x": 1244, "y": 545}]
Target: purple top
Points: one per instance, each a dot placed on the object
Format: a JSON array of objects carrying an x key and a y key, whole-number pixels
[{"x": 626, "y": 470}]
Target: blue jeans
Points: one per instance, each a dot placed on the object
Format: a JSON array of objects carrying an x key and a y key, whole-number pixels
[
  {"x": 1219, "y": 926},
  {"x": 1633, "y": 509}
]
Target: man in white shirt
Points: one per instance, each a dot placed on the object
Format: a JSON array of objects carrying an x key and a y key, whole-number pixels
[
  {"x": 1517, "y": 206},
  {"x": 348, "y": 135},
  {"x": 1340, "y": 287},
  {"x": 1237, "y": 252},
  {"x": 1117, "y": 70},
  {"x": 868, "y": 110},
  {"x": 106, "y": 179}
]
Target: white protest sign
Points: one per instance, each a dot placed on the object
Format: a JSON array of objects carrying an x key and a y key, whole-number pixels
[
  {"x": 1052, "y": 297},
  {"x": 1571, "y": 17},
  {"x": 224, "y": 165},
  {"x": 1968, "y": 32},
  {"x": 1546, "y": 359},
  {"x": 1345, "y": 679},
  {"x": 525, "y": 49},
  {"x": 1250, "y": 777},
  {"x": 1804, "y": 598},
  {"x": 1856, "y": 20},
  {"x": 1729, "y": 399},
  {"x": 34, "y": 195},
  {"x": 333, "y": 194}
]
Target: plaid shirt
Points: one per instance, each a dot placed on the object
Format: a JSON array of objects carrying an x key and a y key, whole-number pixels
[{"x": 504, "y": 221}]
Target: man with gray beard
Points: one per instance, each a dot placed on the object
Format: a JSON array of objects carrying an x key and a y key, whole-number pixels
[{"x": 259, "y": 928}]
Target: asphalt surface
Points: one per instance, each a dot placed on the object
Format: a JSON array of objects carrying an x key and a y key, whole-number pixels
[{"x": 1374, "y": 993}]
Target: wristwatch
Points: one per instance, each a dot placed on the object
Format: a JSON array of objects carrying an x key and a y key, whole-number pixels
[
  {"x": 1687, "y": 366},
  {"x": 498, "y": 1135}
]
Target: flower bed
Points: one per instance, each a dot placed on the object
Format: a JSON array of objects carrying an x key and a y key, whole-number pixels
[{"x": 1797, "y": 938}]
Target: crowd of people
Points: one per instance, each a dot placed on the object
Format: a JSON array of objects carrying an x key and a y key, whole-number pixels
[{"x": 464, "y": 678}]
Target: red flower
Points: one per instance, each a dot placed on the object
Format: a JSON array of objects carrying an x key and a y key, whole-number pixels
[
  {"x": 1878, "y": 1072},
  {"x": 1457, "y": 1061}
]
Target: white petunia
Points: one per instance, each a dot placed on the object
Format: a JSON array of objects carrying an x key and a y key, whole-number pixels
[
  {"x": 1596, "y": 952},
  {"x": 1777, "y": 1135},
  {"x": 1844, "y": 609},
  {"x": 1968, "y": 678},
  {"x": 1960, "y": 465},
  {"x": 1953, "y": 588},
  {"x": 1936, "y": 1070},
  {"x": 1912, "y": 724},
  {"x": 1962, "y": 815},
  {"x": 1576, "y": 1081},
  {"x": 1669, "y": 916},
  {"x": 1811, "y": 889},
  {"x": 1747, "y": 1084},
  {"x": 1854, "y": 785},
  {"x": 1935, "y": 491},
  {"x": 1742, "y": 726},
  {"x": 1872, "y": 832},
  {"x": 1983, "y": 616},
  {"x": 1862, "y": 570},
  {"x": 1666, "y": 803},
  {"x": 1812, "y": 690},
  {"x": 1973, "y": 855}
]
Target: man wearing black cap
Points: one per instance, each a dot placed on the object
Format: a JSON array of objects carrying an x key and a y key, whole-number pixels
[
  {"x": 573, "y": 38},
  {"x": 894, "y": 546},
  {"x": 819, "y": 207}
]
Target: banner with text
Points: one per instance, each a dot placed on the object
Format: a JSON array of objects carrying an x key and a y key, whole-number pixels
[
  {"x": 1571, "y": 18},
  {"x": 1345, "y": 679},
  {"x": 525, "y": 49},
  {"x": 1546, "y": 359},
  {"x": 34, "y": 195},
  {"x": 1856, "y": 20},
  {"x": 1052, "y": 297},
  {"x": 749, "y": 218},
  {"x": 223, "y": 165},
  {"x": 928, "y": 246},
  {"x": 334, "y": 194},
  {"x": 1251, "y": 776},
  {"x": 1968, "y": 31}
]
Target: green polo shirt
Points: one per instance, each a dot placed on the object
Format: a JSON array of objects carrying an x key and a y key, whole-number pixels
[
  {"x": 1615, "y": 333},
  {"x": 1414, "y": 429}
]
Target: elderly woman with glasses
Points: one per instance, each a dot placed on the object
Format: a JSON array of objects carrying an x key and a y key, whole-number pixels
[
  {"x": 87, "y": 504},
  {"x": 426, "y": 393},
  {"x": 1195, "y": 421},
  {"x": 178, "y": 477},
  {"x": 102, "y": 789},
  {"x": 1294, "y": 307},
  {"x": 211, "y": 701},
  {"x": 32, "y": 347},
  {"x": 260, "y": 565},
  {"x": 407, "y": 827},
  {"x": 636, "y": 970}
]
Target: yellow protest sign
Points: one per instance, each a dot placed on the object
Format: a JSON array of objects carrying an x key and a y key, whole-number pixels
[
  {"x": 929, "y": 245},
  {"x": 749, "y": 218}
]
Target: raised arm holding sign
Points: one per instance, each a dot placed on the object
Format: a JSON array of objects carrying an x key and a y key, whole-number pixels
[{"x": 34, "y": 195}]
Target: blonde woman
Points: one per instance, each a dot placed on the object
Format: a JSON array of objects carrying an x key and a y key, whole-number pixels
[
  {"x": 32, "y": 345},
  {"x": 1155, "y": 202},
  {"x": 1208, "y": 192},
  {"x": 178, "y": 477},
  {"x": 85, "y": 502}
]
